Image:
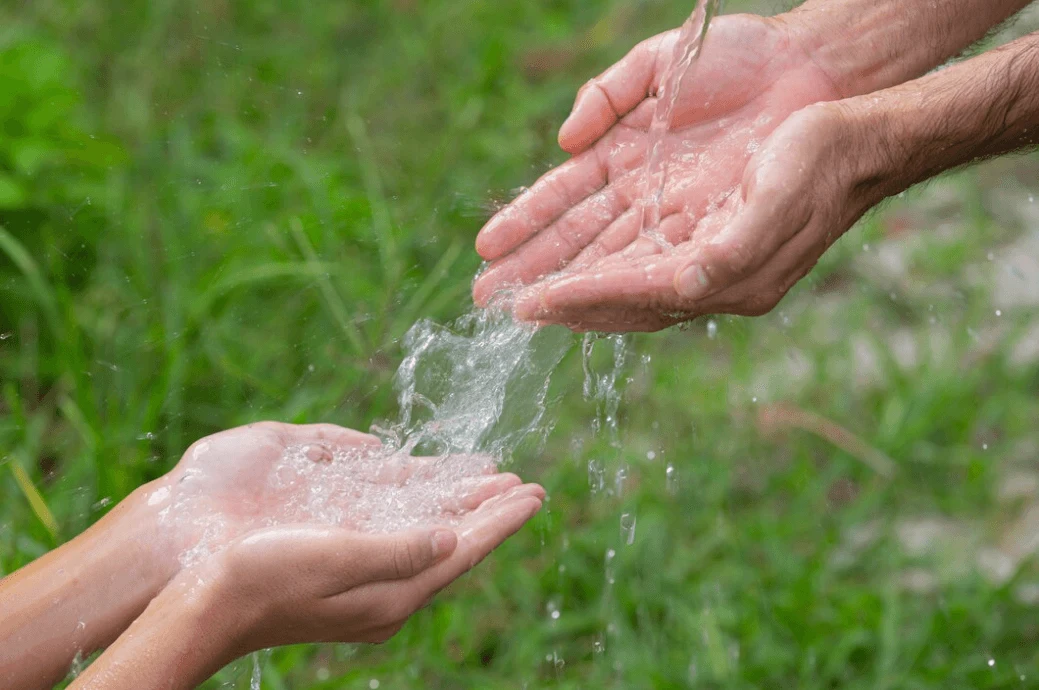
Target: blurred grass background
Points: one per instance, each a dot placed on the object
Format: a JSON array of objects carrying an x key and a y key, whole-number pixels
[{"x": 213, "y": 213}]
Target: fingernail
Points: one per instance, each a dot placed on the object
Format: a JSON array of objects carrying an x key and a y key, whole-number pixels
[
  {"x": 444, "y": 541},
  {"x": 692, "y": 282}
]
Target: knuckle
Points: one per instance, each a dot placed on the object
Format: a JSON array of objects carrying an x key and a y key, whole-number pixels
[{"x": 404, "y": 560}]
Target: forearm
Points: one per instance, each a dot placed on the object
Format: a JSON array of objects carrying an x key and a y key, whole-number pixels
[
  {"x": 183, "y": 637},
  {"x": 866, "y": 45},
  {"x": 80, "y": 596},
  {"x": 982, "y": 107}
]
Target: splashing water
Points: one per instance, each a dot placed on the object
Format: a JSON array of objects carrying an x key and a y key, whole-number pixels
[
  {"x": 687, "y": 50},
  {"x": 470, "y": 393}
]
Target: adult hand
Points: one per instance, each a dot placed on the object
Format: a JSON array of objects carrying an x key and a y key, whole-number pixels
[
  {"x": 806, "y": 185},
  {"x": 752, "y": 73},
  {"x": 292, "y": 584}
]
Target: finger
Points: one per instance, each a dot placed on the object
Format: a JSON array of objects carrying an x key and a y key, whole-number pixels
[
  {"x": 617, "y": 320},
  {"x": 557, "y": 191},
  {"x": 471, "y": 493},
  {"x": 482, "y": 532},
  {"x": 551, "y": 249},
  {"x": 397, "y": 556},
  {"x": 737, "y": 251},
  {"x": 646, "y": 283},
  {"x": 334, "y": 435},
  {"x": 604, "y": 100},
  {"x": 618, "y": 235}
]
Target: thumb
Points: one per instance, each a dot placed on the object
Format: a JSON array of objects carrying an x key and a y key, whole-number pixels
[{"x": 401, "y": 555}]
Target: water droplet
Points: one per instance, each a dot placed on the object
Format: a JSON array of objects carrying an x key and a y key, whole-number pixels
[
  {"x": 254, "y": 681},
  {"x": 651, "y": 455},
  {"x": 628, "y": 521},
  {"x": 712, "y": 329},
  {"x": 619, "y": 480},
  {"x": 374, "y": 684},
  {"x": 671, "y": 482},
  {"x": 596, "y": 476},
  {"x": 999, "y": 312},
  {"x": 991, "y": 662},
  {"x": 5, "y": 336}
]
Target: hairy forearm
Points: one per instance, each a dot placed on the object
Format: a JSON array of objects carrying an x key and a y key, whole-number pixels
[
  {"x": 866, "y": 45},
  {"x": 80, "y": 596},
  {"x": 982, "y": 107}
]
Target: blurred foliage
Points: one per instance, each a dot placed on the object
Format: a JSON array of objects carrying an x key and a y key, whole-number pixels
[{"x": 214, "y": 212}]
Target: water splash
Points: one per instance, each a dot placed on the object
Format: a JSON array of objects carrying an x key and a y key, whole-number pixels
[
  {"x": 470, "y": 394},
  {"x": 479, "y": 385},
  {"x": 687, "y": 50}
]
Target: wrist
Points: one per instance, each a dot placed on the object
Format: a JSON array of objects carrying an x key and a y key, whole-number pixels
[
  {"x": 866, "y": 45},
  {"x": 186, "y": 634},
  {"x": 142, "y": 531}
]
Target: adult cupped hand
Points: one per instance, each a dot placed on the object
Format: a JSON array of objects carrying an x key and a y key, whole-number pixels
[{"x": 724, "y": 157}]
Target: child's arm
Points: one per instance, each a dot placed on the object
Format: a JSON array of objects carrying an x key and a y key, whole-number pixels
[
  {"x": 287, "y": 585},
  {"x": 80, "y": 597}
]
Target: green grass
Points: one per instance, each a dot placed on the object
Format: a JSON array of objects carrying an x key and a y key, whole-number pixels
[{"x": 220, "y": 212}]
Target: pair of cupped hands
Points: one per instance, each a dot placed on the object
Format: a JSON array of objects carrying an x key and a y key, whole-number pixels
[
  {"x": 257, "y": 587},
  {"x": 737, "y": 228}
]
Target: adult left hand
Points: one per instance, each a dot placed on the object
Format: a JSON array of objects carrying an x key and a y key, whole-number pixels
[{"x": 806, "y": 185}]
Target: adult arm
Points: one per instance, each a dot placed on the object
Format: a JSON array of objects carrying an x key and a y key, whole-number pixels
[
  {"x": 866, "y": 45},
  {"x": 584, "y": 216}
]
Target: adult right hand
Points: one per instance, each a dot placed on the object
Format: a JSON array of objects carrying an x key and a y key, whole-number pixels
[{"x": 294, "y": 584}]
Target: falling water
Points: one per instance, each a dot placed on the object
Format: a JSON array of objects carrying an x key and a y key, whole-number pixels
[
  {"x": 686, "y": 52},
  {"x": 470, "y": 393}
]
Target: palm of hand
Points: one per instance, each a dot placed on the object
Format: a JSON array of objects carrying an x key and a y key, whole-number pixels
[
  {"x": 268, "y": 474},
  {"x": 584, "y": 217}
]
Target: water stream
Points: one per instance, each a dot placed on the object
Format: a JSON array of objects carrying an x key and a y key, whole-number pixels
[
  {"x": 686, "y": 52},
  {"x": 477, "y": 389}
]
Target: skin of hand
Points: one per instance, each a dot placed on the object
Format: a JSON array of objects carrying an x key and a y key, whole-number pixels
[
  {"x": 818, "y": 173},
  {"x": 79, "y": 597},
  {"x": 583, "y": 217},
  {"x": 750, "y": 76},
  {"x": 290, "y": 584}
]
